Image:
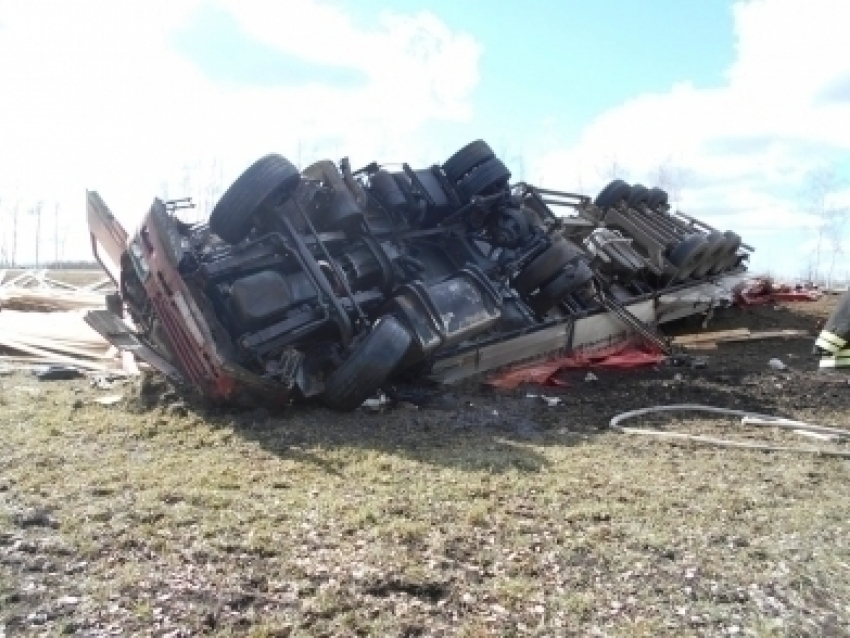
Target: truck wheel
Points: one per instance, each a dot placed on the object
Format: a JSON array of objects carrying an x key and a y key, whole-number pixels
[
  {"x": 687, "y": 255},
  {"x": 638, "y": 196},
  {"x": 360, "y": 376},
  {"x": 715, "y": 254},
  {"x": 603, "y": 194},
  {"x": 265, "y": 183},
  {"x": 545, "y": 266},
  {"x": 470, "y": 156},
  {"x": 613, "y": 194},
  {"x": 491, "y": 174},
  {"x": 730, "y": 253},
  {"x": 550, "y": 295},
  {"x": 657, "y": 197}
]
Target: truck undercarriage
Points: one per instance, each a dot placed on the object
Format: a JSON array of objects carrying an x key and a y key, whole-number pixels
[{"x": 330, "y": 281}]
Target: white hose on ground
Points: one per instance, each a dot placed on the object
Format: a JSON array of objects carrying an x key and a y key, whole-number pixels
[{"x": 748, "y": 418}]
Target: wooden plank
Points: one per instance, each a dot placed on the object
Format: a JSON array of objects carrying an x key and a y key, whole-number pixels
[
  {"x": 709, "y": 337},
  {"x": 769, "y": 334},
  {"x": 700, "y": 346},
  {"x": 30, "y": 360},
  {"x": 21, "y": 277},
  {"x": 22, "y": 347},
  {"x": 696, "y": 342},
  {"x": 62, "y": 326},
  {"x": 53, "y": 283},
  {"x": 60, "y": 347},
  {"x": 98, "y": 284}
]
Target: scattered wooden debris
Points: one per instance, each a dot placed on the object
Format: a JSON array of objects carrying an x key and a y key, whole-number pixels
[
  {"x": 34, "y": 291},
  {"x": 709, "y": 340},
  {"x": 709, "y": 337},
  {"x": 771, "y": 334},
  {"x": 58, "y": 338}
]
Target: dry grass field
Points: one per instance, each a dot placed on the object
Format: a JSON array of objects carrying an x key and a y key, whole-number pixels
[{"x": 477, "y": 514}]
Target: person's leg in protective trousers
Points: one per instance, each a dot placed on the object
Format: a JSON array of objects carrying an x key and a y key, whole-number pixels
[{"x": 833, "y": 343}]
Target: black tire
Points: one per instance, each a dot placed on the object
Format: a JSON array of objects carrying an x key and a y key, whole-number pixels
[
  {"x": 470, "y": 156},
  {"x": 604, "y": 192},
  {"x": 265, "y": 183},
  {"x": 387, "y": 191},
  {"x": 374, "y": 359},
  {"x": 730, "y": 253},
  {"x": 657, "y": 198},
  {"x": 570, "y": 279},
  {"x": 638, "y": 196},
  {"x": 715, "y": 254},
  {"x": 545, "y": 266},
  {"x": 612, "y": 194},
  {"x": 491, "y": 175},
  {"x": 688, "y": 254}
]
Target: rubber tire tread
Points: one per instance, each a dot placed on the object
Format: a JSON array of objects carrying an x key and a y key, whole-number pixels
[
  {"x": 733, "y": 243},
  {"x": 687, "y": 255},
  {"x": 374, "y": 359},
  {"x": 544, "y": 267},
  {"x": 727, "y": 254},
  {"x": 613, "y": 193},
  {"x": 491, "y": 173},
  {"x": 657, "y": 197},
  {"x": 603, "y": 194},
  {"x": 470, "y": 156},
  {"x": 267, "y": 181},
  {"x": 556, "y": 290},
  {"x": 639, "y": 195},
  {"x": 715, "y": 254}
]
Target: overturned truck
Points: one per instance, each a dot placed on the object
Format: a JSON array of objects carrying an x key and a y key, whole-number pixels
[{"x": 328, "y": 282}]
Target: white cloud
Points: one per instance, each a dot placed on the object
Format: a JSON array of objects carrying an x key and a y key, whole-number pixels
[
  {"x": 94, "y": 95},
  {"x": 743, "y": 150}
]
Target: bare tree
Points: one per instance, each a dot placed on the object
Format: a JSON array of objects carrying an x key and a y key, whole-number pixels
[
  {"x": 14, "y": 251},
  {"x": 669, "y": 177},
  {"x": 807, "y": 270},
  {"x": 613, "y": 170},
  {"x": 62, "y": 243},
  {"x": 820, "y": 187},
  {"x": 36, "y": 211},
  {"x": 836, "y": 224},
  {"x": 214, "y": 188},
  {"x": 187, "y": 188},
  {"x": 4, "y": 252},
  {"x": 56, "y": 236}
]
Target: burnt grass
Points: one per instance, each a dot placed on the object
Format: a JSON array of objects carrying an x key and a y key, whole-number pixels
[{"x": 478, "y": 513}]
